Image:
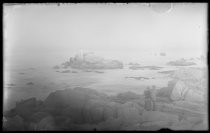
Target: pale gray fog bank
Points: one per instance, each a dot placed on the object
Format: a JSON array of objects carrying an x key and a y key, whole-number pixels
[{"x": 99, "y": 67}]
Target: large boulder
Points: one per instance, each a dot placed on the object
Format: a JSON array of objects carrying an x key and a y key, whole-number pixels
[
  {"x": 26, "y": 108},
  {"x": 46, "y": 124},
  {"x": 191, "y": 85},
  {"x": 166, "y": 91},
  {"x": 68, "y": 97},
  {"x": 70, "y": 103},
  {"x": 82, "y": 105},
  {"x": 74, "y": 113},
  {"x": 130, "y": 113},
  {"x": 38, "y": 116},
  {"x": 179, "y": 91},
  {"x": 98, "y": 110},
  {"x": 110, "y": 124}
]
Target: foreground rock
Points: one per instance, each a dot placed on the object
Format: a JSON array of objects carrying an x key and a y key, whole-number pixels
[
  {"x": 165, "y": 92},
  {"x": 25, "y": 108},
  {"x": 86, "y": 109},
  {"x": 46, "y": 124},
  {"x": 15, "y": 123},
  {"x": 191, "y": 85},
  {"x": 188, "y": 84}
]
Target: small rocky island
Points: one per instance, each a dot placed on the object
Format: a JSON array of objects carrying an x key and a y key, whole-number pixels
[
  {"x": 181, "y": 62},
  {"x": 89, "y": 60},
  {"x": 138, "y": 67}
]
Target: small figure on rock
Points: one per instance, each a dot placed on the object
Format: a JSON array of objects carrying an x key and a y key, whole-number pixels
[
  {"x": 153, "y": 97},
  {"x": 150, "y": 98}
]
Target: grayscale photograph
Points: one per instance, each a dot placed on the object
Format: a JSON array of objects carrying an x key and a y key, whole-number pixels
[{"x": 105, "y": 67}]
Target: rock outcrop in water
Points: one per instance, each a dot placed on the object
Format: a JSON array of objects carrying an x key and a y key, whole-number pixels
[
  {"x": 139, "y": 67},
  {"x": 162, "y": 54},
  {"x": 91, "y": 61},
  {"x": 56, "y": 67},
  {"x": 181, "y": 62}
]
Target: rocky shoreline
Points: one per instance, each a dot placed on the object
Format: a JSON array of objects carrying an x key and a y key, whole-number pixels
[{"x": 182, "y": 105}]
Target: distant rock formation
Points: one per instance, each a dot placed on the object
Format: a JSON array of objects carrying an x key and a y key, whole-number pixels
[
  {"x": 98, "y": 71},
  {"x": 56, "y": 67},
  {"x": 132, "y": 63},
  {"x": 167, "y": 72},
  {"x": 11, "y": 84},
  {"x": 138, "y": 67},
  {"x": 65, "y": 71},
  {"x": 31, "y": 68},
  {"x": 30, "y": 83},
  {"x": 139, "y": 78},
  {"x": 181, "y": 62},
  {"x": 162, "y": 54},
  {"x": 21, "y": 73},
  {"x": 91, "y": 61}
]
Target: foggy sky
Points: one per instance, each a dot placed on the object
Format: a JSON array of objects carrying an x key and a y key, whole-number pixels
[{"x": 37, "y": 29}]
